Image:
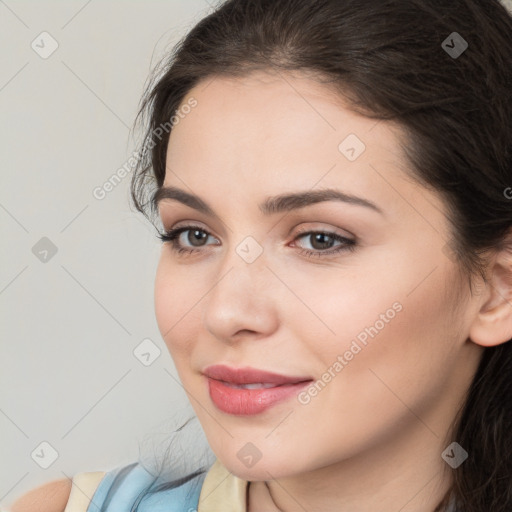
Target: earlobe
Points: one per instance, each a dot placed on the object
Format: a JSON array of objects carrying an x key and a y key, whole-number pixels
[{"x": 493, "y": 324}]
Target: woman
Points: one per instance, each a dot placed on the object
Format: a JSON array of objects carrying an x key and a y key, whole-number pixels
[{"x": 333, "y": 182}]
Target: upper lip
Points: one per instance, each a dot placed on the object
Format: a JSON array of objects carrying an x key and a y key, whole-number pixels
[{"x": 248, "y": 375}]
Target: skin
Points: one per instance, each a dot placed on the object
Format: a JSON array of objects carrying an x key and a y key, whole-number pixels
[
  {"x": 50, "y": 497},
  {"x": 372, "y": 438}
]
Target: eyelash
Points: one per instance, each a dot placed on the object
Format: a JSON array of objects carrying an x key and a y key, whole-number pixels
[{"x": 173, "y": 237}]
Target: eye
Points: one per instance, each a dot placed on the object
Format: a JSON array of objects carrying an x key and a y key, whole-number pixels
[
  {"x": 197, "y": 237},
  {"x": 322, "y": 240}
]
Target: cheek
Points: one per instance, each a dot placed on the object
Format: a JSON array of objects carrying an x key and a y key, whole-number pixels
[
  {"x": 396, "y": 308},
  {"x": 390, "y": 332},
  {"x": 175, "y": 311},
  {"x": 356, "y": 301}
]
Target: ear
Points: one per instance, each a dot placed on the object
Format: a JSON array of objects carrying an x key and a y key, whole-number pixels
[{"x": 493, "y": 323}]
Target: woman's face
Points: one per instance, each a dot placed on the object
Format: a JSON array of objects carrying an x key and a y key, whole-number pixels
[{"x": 369, "y": 318}]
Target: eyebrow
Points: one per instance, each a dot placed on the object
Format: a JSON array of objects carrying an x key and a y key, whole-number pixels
[{"x": 271, "y": 205}]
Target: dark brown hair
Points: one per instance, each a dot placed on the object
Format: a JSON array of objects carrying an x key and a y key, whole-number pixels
[{"x": 390, "y": 60}]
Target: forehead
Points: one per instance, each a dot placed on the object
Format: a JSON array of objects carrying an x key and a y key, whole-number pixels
[
  {"x": 267, "y": 122},
  {"x": 274, "y": 101}
]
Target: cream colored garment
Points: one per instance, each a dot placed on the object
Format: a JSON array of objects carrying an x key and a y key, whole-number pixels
[
  {"x": 222, "y": 490},
  {"x": 84, "y": 485}
]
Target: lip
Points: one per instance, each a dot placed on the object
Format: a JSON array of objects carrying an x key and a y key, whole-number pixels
[
  {"x": 239, "y": 401},
  {"x": 249, "y": 375}
]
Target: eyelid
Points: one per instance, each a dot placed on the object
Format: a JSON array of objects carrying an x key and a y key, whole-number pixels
[
  {"x": 169, "y": 215},
  {"x": 330, "y": 230}
]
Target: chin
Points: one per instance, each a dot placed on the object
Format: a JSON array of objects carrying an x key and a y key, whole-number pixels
[{"x": 260, "y": 471}]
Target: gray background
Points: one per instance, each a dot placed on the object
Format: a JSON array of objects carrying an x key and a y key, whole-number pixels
[
  {"x": 70, "y": 324},
  {"x": 70, "y": 321}
]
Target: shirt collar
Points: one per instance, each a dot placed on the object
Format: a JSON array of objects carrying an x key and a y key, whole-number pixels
[{"x": 221, "y": 490}]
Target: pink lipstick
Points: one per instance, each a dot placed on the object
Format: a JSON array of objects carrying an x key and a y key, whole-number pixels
[{"x": 246, "y": 391}]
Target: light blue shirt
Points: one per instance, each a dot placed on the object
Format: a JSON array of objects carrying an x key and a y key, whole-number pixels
[{"x": 120, "y": 490}]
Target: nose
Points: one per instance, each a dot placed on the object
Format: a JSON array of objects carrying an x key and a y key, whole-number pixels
[{"x": 242, "y": 301}]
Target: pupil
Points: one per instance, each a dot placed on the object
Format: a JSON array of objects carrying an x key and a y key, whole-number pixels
[
  {"x": 320, "y": 237},
  {"x": 197, "y": 236}
]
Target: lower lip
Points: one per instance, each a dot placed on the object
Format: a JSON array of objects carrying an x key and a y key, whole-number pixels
[{"x": 244, "y": 402}]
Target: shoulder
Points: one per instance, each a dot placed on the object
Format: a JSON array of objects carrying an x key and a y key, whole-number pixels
[
  {"x": 60, "y": 495},
  {"x": 50, "y": 497},
  {"x": 117, "y": 489}
]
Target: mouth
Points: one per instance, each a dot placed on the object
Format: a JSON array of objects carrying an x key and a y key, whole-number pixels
[
  {"x": 249, "y": 375},
  {"x": 251, "y": 386},
  {"x": 247, "y": 391}
]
